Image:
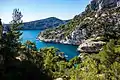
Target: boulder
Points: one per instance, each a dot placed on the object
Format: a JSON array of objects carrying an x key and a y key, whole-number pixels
[
  {"x": 91, "y": 46},
  {"x": 59, "y": 79}
]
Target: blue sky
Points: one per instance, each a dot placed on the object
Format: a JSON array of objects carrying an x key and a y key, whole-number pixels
[{"x": 40, "y": 9}]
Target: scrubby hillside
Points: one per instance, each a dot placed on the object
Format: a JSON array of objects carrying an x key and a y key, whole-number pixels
[{"x": 43, "y": 23}]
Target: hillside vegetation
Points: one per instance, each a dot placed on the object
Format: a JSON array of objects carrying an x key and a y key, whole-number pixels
[
  {"x": 43, "y": 24},
  {"x": 26, "y": 62}
]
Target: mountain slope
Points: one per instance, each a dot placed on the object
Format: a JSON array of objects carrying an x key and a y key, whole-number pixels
[
  {"x": 43, "y": 23},
  {"x": 91, "y": 23}
]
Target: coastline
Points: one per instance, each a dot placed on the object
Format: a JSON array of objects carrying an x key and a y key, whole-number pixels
[
  {"x": 87, "y": 46},
  {"x": 53, "y": 41},
  {"x": 56, "y": 41}
]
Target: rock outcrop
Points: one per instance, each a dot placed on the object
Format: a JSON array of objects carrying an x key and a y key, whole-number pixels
[
  {"x": 118, "y": 3},
  {"x": 101, "y": 4},
  {"x": 91, "y": 46}
]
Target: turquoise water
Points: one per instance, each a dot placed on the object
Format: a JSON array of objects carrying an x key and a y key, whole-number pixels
[{"x": 31, "y": 35}]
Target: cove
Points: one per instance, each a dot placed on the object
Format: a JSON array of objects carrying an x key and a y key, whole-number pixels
[{"x": 69, "y": 50}]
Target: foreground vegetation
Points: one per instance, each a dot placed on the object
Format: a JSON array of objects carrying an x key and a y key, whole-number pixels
[{"x": 26, "y": 62}]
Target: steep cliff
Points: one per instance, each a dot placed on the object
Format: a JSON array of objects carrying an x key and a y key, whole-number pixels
[
  {"x": 103, "y": 23},
  {"x": 102, "y": 4}
]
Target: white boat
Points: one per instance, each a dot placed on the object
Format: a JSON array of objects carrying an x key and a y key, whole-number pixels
[
  {"x": 37, "y": 39},
  {"x": 66, "y": 56}
]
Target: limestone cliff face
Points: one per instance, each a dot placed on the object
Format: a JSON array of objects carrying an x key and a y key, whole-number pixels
[
  {"x": 77, "y": 36},
  {"x": 101, "y": 4}
]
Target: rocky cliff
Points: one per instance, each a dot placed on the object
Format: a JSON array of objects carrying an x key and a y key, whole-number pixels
[
  {"x": 102, "y": 4},
  {"x": 94, "y": 22}
]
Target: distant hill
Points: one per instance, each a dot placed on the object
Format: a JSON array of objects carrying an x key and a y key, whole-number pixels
[{"x": 50, "y": 22}]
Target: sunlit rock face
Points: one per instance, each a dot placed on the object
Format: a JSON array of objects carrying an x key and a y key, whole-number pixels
[
  {"x": 77, "y": 36},
  {"x": 91, "y": 46}
]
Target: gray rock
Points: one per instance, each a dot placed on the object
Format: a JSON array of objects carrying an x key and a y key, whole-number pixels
[
  {"x": 101, "y": 4},
  {"x": 118, "y": 3}
]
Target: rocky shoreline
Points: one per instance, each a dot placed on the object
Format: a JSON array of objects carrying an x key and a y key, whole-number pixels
[
  {"x": 56, "y": 41},
  {"x": 87, "y": 46}
]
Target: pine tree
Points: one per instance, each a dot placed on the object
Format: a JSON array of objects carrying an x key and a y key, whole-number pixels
[{"x": 11, "y": 41}]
